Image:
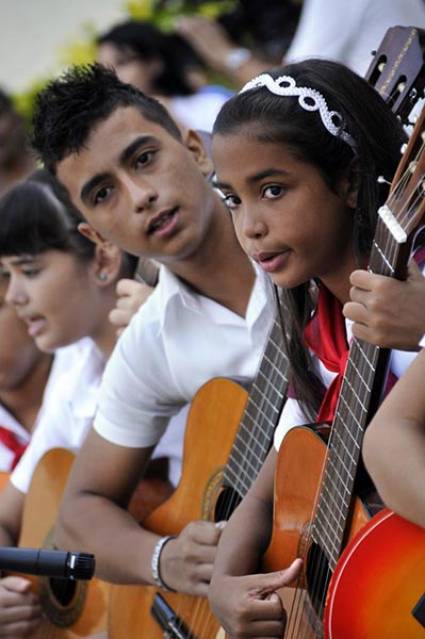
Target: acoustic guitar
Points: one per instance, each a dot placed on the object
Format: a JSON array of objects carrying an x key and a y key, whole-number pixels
[
  {"x": 222, "y": 456},
  {"x": 316, "y": 526},
  {"x": 71, "y": 609}
]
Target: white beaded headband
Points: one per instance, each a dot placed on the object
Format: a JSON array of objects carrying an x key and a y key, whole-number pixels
[{"x": 309, "y": 99}]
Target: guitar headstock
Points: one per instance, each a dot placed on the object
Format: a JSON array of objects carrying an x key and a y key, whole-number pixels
[
  {"x": 407, "y": 197},
  {"x": 397, "y": 70}
]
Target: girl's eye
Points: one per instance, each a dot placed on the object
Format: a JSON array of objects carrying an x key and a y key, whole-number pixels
[
  {"x": 273, "y": 191},
  {"x": 31, "y": 271},
  {"x": 102, "y": 195},
  {"x": 231, "y": 201},
  {"x": 143, "y": 159}
]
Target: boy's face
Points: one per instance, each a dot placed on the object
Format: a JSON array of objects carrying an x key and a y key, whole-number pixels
[{"x": 141, "y": 188}]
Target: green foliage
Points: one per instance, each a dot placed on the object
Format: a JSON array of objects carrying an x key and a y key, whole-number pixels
[{"x": 163, "y": 14}]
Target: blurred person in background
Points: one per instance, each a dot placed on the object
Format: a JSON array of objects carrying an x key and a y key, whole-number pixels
[
  {"x": 339, "y": 30},
  {"x": 166, "y": 67},
  {"x": 16, "y": 158}
]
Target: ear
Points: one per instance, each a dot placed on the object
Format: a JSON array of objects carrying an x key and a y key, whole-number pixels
[
  {"x": 197, "y": 146},
  {"x": 89, "y": 232},
  {"x": 107, "y": 264},
  {"x": 349, "y": 186}
]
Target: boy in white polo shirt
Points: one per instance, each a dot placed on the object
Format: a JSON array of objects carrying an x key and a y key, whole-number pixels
[{"x": 140, "y": 184}]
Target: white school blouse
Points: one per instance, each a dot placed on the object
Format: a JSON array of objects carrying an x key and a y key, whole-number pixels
[
  {"x": 70, "y": 414},
  {"x": 63, "y": 358}
]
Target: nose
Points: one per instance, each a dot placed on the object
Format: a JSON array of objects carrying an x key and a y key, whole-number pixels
[
  {"x": 15, "y": 294},
  {"x": 253, "y": 225},
  {"x": 142, "y": 193}
]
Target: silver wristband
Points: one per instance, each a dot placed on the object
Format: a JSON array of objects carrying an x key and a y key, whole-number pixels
[{"x": 156, "y": 555}]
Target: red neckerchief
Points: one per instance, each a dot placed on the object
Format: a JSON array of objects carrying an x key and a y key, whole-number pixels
[
  {"x": 326, "y": 337},
  {"x": 11, "y": 442}
]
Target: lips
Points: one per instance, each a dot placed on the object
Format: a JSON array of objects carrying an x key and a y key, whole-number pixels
[
  {"x": 271, "y": 261},
  {"x": 161, "y": 220},
  {"x": 35, "y": 324}
]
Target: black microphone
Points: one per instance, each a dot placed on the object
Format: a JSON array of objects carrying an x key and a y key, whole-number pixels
[{"x": 48, "y": 563}]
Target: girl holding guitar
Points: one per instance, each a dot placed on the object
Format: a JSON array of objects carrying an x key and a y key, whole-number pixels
[
  {"x": 62, "y": 288},
  {"x": 314, "y": 138}
]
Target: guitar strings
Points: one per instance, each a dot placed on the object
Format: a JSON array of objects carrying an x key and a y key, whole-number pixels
[{"x": 202, "y": 615}]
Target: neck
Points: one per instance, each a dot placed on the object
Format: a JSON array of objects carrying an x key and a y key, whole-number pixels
[
  {"x": 219, "y": 269},
  {"x": 24, "y": 402},
  {"x": 103, "y": 332},
  {"x": 338, "y": 282}
]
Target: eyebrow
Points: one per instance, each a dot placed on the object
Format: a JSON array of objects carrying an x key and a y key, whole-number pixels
[
  {"x": 19, "y": 261},
  {"x": 252, "y": 179},
  {"x": 123, "y": 158}
]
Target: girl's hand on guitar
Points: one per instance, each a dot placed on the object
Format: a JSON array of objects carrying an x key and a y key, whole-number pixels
[
  {"x": 386, "y": 311},
  {"x": 248, "y": 606},
  {"x": 131, "y": 296},
  {"x": 20, "y": 612},
  {"x": 186, "y": 563}
]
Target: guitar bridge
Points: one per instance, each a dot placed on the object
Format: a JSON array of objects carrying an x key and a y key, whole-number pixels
[{"x": 172, "y": 626}]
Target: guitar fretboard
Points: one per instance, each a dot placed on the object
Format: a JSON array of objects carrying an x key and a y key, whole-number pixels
[
  {"x": 361, "y": 382},
  {"x": 262, "y": 412}
]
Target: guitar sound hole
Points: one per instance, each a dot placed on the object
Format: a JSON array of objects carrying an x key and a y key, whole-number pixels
[
  {"x": 63, "y": 590},
  {"x": 318, "y": 576},
  {"x": 227, "y": 501}
]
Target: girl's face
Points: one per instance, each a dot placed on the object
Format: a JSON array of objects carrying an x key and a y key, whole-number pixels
[
  {"x": 18, "y": 354},
  {"x": 52, "y": 292},
  {"x": 129, "y": 67},
  {"x": 286, "y": 217}
]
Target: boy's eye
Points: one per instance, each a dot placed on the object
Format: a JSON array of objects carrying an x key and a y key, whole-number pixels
[
  {"x": 231, "y": 201},
  {"x": 144, "y": 158},
  {"x": 102, "y": 194},
  {"x": 272, "y": 191}
]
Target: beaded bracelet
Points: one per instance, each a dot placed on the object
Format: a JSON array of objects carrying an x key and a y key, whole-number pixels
[{"x": 156, "y": 555}]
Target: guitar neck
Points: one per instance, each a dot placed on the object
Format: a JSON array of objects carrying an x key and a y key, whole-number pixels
[
  {"x": 361, "y": 390},
  {"x": 265, "y": 403}
]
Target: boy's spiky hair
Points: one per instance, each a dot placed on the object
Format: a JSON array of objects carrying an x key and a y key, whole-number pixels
[{"x": 68, "y": 108}]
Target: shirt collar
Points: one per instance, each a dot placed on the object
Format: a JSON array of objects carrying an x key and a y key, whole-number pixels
[{"x": 171, "y": 286}]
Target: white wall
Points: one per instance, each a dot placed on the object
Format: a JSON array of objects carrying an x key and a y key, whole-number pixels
[{"x": 32, "y": 33}]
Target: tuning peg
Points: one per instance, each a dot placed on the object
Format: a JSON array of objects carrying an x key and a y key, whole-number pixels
[
  {"x": 403, "y": 148},
  {"x": 382, "y": 180}
]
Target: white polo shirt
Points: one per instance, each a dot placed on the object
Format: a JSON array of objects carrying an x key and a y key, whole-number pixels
[
  {"x": 63, "y": 358},
  {"x": 176, "y": 342},
  {"x": 293, "y": 415}
]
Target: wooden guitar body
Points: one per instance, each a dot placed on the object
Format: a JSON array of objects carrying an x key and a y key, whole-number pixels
[
  {"x": 379, "y": 579},
  {"x": 298, "y": 476},
  {"x": 212, "y": 424},
  {"x": 71, "y": 609}
]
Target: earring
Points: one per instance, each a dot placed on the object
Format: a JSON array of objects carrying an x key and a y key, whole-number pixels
[{"x": 103, "y": 276}]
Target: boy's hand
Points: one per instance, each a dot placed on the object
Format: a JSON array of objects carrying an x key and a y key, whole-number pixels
[
  {"x": 249, "y": 606},
  {"x": 388, "y": 312},
  {"x": 187, "y": 561}
]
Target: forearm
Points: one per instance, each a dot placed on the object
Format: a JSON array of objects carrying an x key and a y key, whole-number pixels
[
  {"x": 396, "y": 462},
  {"x": 123, "y": 549},
  {"x": 243, "y": 542},
  {"x": 6, "y": 537}
]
